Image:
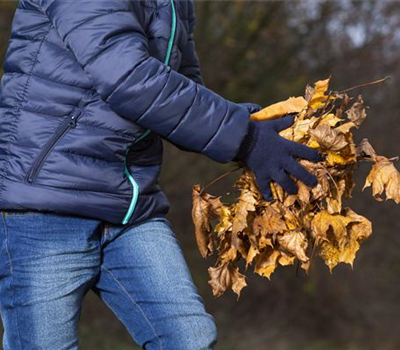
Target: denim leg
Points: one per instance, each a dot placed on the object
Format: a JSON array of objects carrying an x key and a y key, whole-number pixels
[
  {"x": 145, "y": 281},
  {"x": 47, "y": 264}
]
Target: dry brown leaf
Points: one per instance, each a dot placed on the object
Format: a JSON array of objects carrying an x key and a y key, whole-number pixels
[
  {"x": 328, "y": 138},
  {"x": 246, "y": 203},
  {"x": 226, "y": 276},
  {"x": 365, "y": 151},
  {"x": 356, "y": 113},
  {"x": 201, "y": 213},
  {"x": 296, "y": 243},
  {"x": 269, "y": 222},
  {"x": 229, "y": 254}
]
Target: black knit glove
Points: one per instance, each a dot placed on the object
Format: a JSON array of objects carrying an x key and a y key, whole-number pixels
[{"x": 272, "y": 157}]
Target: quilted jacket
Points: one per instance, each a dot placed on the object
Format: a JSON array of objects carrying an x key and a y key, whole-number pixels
[{"x": 90, "y": 89}]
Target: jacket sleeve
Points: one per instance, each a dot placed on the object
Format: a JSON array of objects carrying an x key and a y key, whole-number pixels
[
  {"x": 108, "y": 40},
  {"x": 190, "y": 65}
]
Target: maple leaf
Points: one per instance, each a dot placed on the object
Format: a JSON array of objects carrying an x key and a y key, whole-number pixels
[
  {"x": 349, "y": 230},
  {"x": 296, "y": 243},
  {"x": 226, "y": 276},
  {"x": 269, "y": 222},
  {"x": 266, "y": 262},
  {"x": 384, "y": 177},
  {"x": 324, "y": 225},
  {"x": 358, "y": 230},
  {"x": 277, "y": 110}
]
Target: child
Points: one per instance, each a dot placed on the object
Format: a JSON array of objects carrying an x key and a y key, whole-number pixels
[{"x": 90, "y": 90}]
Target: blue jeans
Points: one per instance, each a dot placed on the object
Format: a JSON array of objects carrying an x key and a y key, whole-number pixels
[{"x": 48, "y": 262}]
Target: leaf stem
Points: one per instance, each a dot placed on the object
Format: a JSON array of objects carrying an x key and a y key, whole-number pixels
[
  {"x": 219, "y": 178},
  {"x": 367, "y": 84}
]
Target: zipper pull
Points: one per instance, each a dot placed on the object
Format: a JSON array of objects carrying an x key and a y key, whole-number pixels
[{"x": 72, "y": 122}]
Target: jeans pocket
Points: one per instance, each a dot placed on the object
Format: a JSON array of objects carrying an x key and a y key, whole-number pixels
[{"x": 21, "y": 212}]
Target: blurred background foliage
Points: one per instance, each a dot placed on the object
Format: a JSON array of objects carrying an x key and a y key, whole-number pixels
[{"x": 263, "y": 52}]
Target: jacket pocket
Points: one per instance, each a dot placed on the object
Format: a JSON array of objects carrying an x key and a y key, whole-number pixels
[
  {"x": 146, "y": 152},
  {"x": 68, "y": 123}
]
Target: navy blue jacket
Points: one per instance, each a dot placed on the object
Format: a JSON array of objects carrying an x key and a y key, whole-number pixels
[{"x": 90, "y": 90}]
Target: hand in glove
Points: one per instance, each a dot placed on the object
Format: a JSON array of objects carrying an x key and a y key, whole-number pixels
[{"x": 272, "y": 157}]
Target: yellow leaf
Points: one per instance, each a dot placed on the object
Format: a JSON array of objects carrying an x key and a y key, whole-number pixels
[
  {"x": 330, "y": 254},
  {"x": 338, "y": 159},
  {"x": 330, "y": 119},
  {"x": 291, "y": 220},
  {"x": 343, "y": 250},
  {"x": 267, "y": 262},
  {"x": 277, "y": 110},
  {"x": 384, "y": 177},
  {"x": 345, "y": 128},
  {"x": 277, "y": 191},
  {"x": 323, "y": 221},
  {"x": 286, "y": 259},
  {"x": 251, "y": 254},
  {"x": 299, "y": 130},
  {"x": 318, "y": 98},
  {"x": 265, "y": 242},
  {"x": 225, "y": 221}
]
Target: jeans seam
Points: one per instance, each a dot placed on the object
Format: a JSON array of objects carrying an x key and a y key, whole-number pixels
[
  {"x": 11, "y": 275},
  {"x": 135, "y": 303},
  {"x": 106, "y": 231}
]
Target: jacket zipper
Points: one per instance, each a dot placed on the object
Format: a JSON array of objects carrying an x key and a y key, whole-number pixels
[
  {"x": 67, "y": 124},
  {"x": 135, "y": 186}
]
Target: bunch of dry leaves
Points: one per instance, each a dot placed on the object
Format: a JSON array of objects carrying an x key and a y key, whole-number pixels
[{"x": 293, "y": 228}]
